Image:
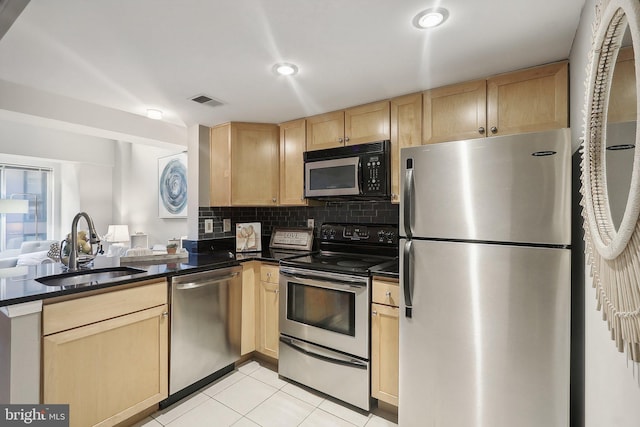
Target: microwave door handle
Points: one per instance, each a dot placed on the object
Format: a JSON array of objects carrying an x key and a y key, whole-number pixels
[{"x": 360, "y": 177}]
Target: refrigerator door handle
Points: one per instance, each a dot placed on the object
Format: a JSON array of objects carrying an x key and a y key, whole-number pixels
[
  {"x": 407, "y": 283},
  {"x": 408, "y": 202}
]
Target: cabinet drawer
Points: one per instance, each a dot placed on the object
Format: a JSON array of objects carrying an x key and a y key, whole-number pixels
[
  {"x": 386, "y": 292},
  {"x": 94, "y": 308},
  {"x": 269, "y": 273}
]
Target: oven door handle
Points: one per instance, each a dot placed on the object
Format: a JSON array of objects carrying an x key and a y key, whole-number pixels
[
  {"x": 347, "y": 361},
  {"x": 323, "y": 279}
]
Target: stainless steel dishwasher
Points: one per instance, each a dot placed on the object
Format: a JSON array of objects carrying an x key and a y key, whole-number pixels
[{"x": 205, "y": 328}]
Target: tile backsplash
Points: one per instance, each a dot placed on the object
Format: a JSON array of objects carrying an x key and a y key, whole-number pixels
[{"x": 356, "y": 212}]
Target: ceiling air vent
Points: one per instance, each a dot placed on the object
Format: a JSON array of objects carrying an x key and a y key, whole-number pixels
[{"x": 206, "y": 100}]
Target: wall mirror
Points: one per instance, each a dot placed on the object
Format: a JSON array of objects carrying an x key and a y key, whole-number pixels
[{"x": 611, "y": 170}]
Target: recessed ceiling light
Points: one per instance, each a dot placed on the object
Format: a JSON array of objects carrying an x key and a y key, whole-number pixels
[
  {"x": 430, "y": 18},
  {"x": 154, "y": 114},
  {"x": 285, "y": 69}
]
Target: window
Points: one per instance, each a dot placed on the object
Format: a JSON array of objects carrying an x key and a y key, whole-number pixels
[{"x": 34, "y": 185}]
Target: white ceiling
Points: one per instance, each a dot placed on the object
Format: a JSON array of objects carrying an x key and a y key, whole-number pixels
[{"x": 131, "y": 55}]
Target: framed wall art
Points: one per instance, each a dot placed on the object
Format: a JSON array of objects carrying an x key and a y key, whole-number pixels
[{"x": 172, "y": 186}]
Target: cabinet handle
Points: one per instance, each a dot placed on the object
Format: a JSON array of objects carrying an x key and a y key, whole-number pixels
[
  {"x": 494, "y": 129},
  {"x": 340, "y": 140},
  {"x": 273, "y": 200},
  {"x": 165, "y": 314},
  {"x": 388, "y": 294},
  {"x": 346, "y": 139},
  {"x": 481, "y": 130},
  {"x": 374, "y": 313}
]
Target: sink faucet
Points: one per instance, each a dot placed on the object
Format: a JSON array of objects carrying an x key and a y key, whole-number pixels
[{"x": 93, "y": 238}]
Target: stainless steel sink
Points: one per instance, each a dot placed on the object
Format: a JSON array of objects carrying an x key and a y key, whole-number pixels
[{"x": 88, "y": 277}]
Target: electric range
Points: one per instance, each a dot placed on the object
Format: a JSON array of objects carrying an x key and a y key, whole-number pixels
[{"x": 325, "y": 300}]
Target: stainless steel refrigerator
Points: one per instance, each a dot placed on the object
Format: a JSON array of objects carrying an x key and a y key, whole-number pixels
[{"x": 486, "y": 282}]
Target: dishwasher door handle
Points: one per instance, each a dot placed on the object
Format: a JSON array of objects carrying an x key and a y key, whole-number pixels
[{"x": 201, "y": 283}]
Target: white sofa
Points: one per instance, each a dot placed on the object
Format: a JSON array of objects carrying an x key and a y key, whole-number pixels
[{"x": 29, "y": 253}]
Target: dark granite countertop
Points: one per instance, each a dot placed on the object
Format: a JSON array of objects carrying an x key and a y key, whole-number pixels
[{"x": 19, "y": 284}]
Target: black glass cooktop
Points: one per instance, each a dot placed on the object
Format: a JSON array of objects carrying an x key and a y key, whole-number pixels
[{"x": 337, "y": 262}]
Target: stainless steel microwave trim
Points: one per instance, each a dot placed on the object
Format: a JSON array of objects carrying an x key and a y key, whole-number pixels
[
  {"x": 350, "y": 161},
  {"x": 371, "y": 164}
]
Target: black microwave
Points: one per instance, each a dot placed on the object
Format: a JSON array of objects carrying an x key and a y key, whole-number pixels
[{"x": 359, "y": 172}]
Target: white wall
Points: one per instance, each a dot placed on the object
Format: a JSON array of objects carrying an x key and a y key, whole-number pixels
[
  {"x": 139, "y": 193},
  {"x": 114, "y": 182},
  {"x": 83, "y": 169},
  {"x": 612, "y": 385}
]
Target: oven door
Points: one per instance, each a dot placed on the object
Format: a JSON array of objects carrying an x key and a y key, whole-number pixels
[
  {"x": 328, "y": 309},
  {"x": 335, "y": 177}
]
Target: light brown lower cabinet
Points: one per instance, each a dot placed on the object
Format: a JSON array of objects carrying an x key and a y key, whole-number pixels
[
  {"x": 268, "y": 331},
  {"x": 112, "y": 369},
  {"x": 384, "y": 342}
]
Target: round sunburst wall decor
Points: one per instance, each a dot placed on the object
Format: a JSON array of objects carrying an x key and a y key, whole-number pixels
[{"x": 612, "y": 249}]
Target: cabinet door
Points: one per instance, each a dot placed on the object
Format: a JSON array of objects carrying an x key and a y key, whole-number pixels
[
  {"x": 406, "y": 131},
  {"x": 531, "y": 100},
  {"x": 269, "y": 331},
  {"x": 622, "y": 99},
  {"x": 367, "y": 123},
  {"x": 220, "y": 166},
  {"x": 255, "y": 176},
  {"x": 110, "y": 370},
  {"x": 292, "y": 146},
  {"x": 384, "y": 353},
  {"x": 325, "y": 131},
  {"x": 455, "y": 112},
  {"x": 249, "y": 307}
]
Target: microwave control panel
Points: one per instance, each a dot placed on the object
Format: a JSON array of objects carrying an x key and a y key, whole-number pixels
[{"x": 374, "y": 174}]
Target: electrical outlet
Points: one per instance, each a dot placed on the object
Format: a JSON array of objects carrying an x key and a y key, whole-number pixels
[
  {"x": 208, "y": 226},
  {"x": 310, "y": 223},
  {"x": 226, "y": 225}
]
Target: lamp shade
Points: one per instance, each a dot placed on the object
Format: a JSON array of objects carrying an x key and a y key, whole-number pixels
[
  {"x": 14, "y": 206},
  {"x": 117, "y": 233}
]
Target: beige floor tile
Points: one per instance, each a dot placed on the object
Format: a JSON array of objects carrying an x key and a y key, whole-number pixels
[
  {"x": 245, "y": 395},
  {"x": 280, "y": 410}
]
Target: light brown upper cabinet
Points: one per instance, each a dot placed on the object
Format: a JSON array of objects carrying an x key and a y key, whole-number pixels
[
  {"x": 244, "y": 164},
  {"x": 406, "y": 131},
  {"x": 357, "y": 125},
  {"x": 530, "y": 100},
  {"x": 455, "y": 112},
  {"x": 292, "y": 146}
]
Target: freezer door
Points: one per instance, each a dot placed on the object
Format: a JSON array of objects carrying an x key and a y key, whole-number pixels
[
  {"x": 488, "y": 343},
  {"x": 507, "y": 189}
]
